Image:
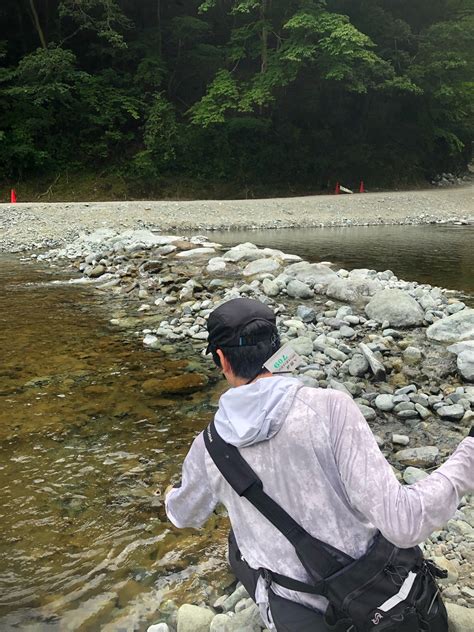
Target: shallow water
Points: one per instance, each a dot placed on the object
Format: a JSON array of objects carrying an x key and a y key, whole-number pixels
[
  {"x": 82, "y": 450},
  {"x": 441, "y": 255}
]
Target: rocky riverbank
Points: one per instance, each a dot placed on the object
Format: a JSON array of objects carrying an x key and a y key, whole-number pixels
[
  {"x": 403, "y": 351},
  {"x": 42, "y": 225}
]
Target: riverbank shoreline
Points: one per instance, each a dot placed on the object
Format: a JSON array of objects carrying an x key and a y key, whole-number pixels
[{"x": 45, "y": 225}]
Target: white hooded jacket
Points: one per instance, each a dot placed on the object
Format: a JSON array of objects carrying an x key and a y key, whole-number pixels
[{"x": 317, "y": 458}]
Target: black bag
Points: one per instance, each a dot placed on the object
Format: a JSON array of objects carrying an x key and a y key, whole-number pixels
[{"x": 388, "y": 589}]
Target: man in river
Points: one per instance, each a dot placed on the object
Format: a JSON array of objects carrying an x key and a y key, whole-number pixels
[{"x": 316, "y": 457}]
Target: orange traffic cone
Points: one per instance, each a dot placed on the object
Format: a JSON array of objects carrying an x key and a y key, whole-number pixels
[
  {"x": 13, "y": 196},
  {"x": 362, "y": 187},
  {"x": 338, "y": 189}
]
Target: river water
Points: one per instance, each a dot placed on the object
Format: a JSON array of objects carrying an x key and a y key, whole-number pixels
[{"x": 85, "y": 544}]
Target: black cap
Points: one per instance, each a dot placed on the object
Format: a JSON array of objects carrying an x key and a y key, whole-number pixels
[{"x": 227, "y": 321}]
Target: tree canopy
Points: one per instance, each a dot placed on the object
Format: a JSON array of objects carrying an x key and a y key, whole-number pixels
[{"x": 256, "y": 93}]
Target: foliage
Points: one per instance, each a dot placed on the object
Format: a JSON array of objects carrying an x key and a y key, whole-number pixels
[{"x": 294, "y": 93}]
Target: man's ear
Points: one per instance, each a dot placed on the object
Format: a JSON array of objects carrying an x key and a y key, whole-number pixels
[{"x": 222, "y": 360}]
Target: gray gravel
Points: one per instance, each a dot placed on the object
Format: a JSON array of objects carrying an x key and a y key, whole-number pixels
[{"x": 25, "y": 226}]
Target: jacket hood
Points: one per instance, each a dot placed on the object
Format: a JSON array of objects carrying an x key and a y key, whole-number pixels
[{"x": 255, "y": 412}]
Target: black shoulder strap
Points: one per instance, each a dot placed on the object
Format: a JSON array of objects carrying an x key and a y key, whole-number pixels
[{"x": 246, "y": 483}]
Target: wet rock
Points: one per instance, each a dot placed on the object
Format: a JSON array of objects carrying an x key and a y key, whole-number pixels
[
  {"x": 395, "y": 307},
  {"x": 247, "y": 620},
  {"x": 221, "y": 623},
  {"x": 413, "y": 475},
  {"x": 454, "y": 328},
  {"x": 460, "y": 619},
  {"x": 416, "y": 457},
  {"x": 298, "y": 289},
  {"x": 194, "y": 618},
  {"x": 178, "y": 384}
]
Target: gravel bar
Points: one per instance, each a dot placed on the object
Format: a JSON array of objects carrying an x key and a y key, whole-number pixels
[{"x": 33, "y": 225}]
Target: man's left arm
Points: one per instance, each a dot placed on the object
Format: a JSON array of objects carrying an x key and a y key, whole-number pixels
[{"x": 191, "y": 504}]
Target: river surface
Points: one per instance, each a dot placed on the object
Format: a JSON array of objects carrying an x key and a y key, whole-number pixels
[{"x": 85, "y": 544}]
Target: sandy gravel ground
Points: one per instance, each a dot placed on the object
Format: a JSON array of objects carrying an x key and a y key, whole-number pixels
[{"x": 24, "y": 226}]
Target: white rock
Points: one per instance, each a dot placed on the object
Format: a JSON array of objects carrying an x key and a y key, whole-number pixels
[
  {"x": 260, "y": 265},
  {"x": 216, "y": 264},
  {"x": 465, "y": 364},
  {"x": 298, "y": 289},
  {"x": 413, "y": 475},
  {"x": 195, "y": 252},
  {"x": 194, "y": 619},
  {"x": 460, "y": 619},
  {"x": 385, "y": 402},
  {"x": 396, "y": 307},
  {"x": 454, "y": 328}
]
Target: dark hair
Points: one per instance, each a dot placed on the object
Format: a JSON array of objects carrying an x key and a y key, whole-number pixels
[{"x": 247, "y": 361}]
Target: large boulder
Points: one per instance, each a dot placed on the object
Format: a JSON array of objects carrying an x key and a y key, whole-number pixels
[
  {"x": 454, "y": 328},
  {"x": 243, "y": 252},
  {"x": 396, "y": 307},
  {"x": 353, "y": 290}
]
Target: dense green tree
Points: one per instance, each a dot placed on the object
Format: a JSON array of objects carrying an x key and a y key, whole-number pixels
[{"x": 252, "y": 93}]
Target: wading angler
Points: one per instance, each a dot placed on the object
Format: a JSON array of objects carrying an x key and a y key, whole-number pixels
[{"x": 324, "y": 537}]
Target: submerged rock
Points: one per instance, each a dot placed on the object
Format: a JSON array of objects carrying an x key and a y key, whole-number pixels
[{"x": 178, "y": 384}]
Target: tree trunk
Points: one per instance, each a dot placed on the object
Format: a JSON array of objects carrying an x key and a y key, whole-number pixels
[
  {"x": 264, "y": 37},
  {"x": 36, "y": 22}
]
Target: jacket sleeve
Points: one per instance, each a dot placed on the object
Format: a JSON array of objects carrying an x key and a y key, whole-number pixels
[
  {"x": 405, "y": 514},
  {"x": 191, "y": 504}
]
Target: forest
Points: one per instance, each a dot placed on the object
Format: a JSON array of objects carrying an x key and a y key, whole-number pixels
[{"x": 233, "y": 97}]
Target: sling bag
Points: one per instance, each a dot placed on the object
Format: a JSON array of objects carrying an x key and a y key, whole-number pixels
[{"x": 389, "y": 589}]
